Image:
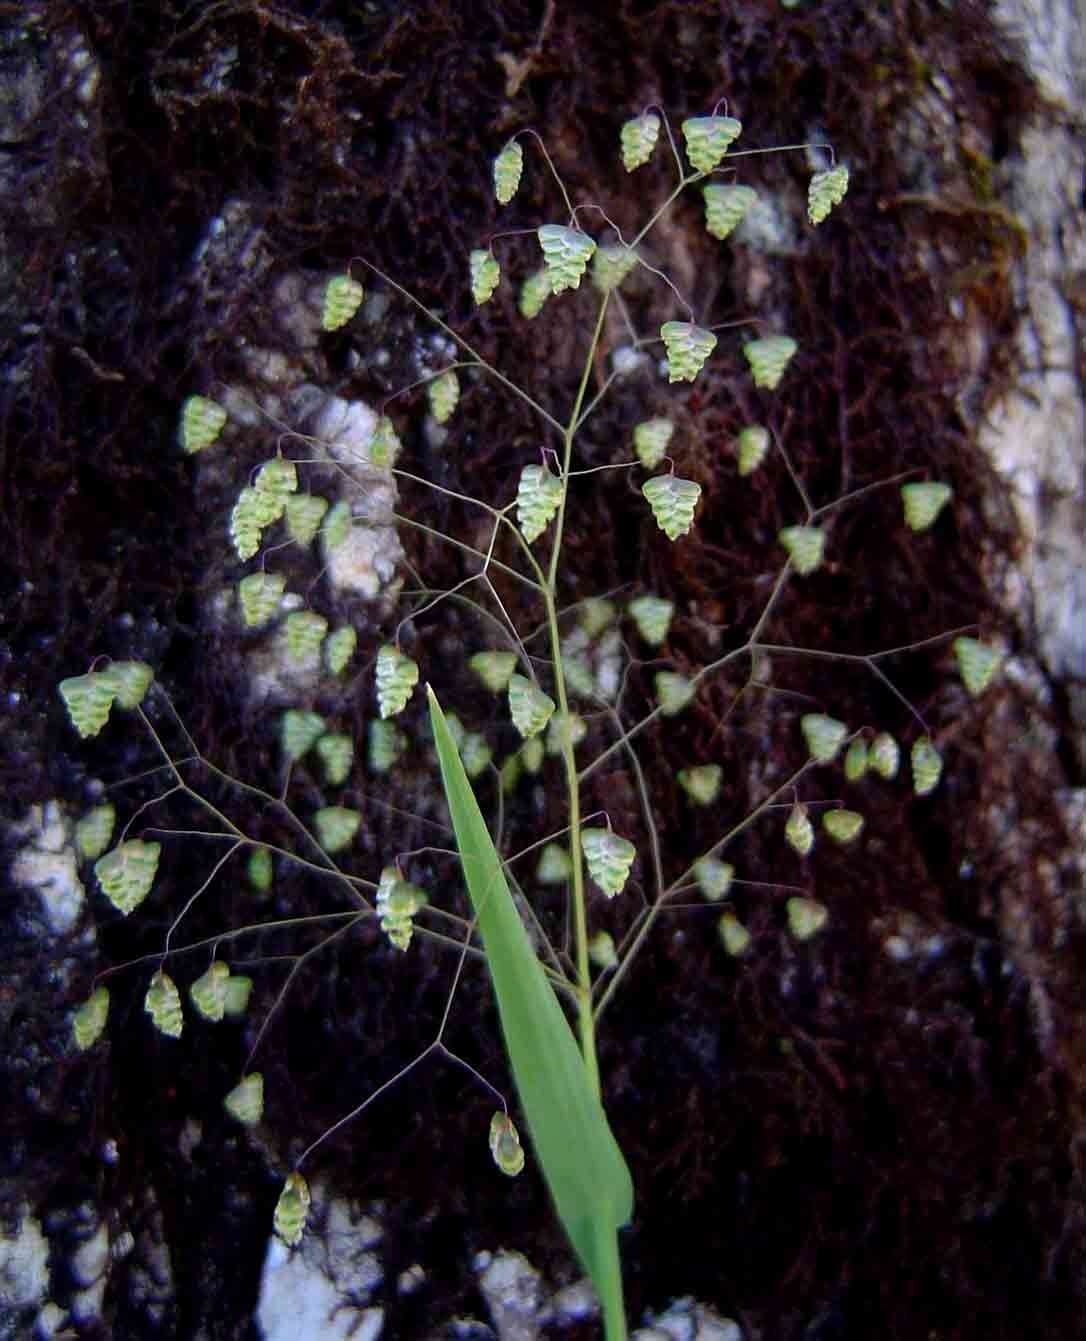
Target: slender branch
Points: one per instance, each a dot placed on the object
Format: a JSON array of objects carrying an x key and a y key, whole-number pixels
[{"x": 482, "y": 362}]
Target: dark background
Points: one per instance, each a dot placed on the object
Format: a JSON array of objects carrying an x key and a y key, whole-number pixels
[{"x": 823, "y": 1141}]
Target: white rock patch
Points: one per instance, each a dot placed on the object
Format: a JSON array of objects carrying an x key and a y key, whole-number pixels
[
  {"x": 24, "y": 1265},
  {"x": 320, "y": 1290},
  {"x": 47, "y": 863}
]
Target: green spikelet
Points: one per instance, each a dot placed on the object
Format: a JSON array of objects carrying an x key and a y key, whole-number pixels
[
  {"x": 977, "y": 662},
  {"x": 768, "y": 358},
  {"x": 638, "y": 138},
  {"x": 304, "y": 513},
  {"x": 596, "y": 614},
  {"x": 94, "y": 830},
  {"x": 238, "y": 990},
  {"x": 291, "y": 1210},
  {"x": 385, "y": 445},
  {"x": 336, "y": 753},
  {"x": 531, "y": 754},
  {"x": 563, "y": 729},
  {"x": 805, "y": 546},
  {"x": 401, "y": 906},
  {"x": 507, "y": 169},
  {"x": 260, "y": 869},
  {"x": 278, "y": 478},
  {"x": 708, "y": 139},
  {"x": 336, "y": 526},
  {"x": 260, "y": 594},
  {"x": 444, "y": 392},
  {"x": 799, "y": 831},
  {"x": 339, "y": 649},
  {"x": 734, "y": 936},
  {"x": 88, "y": 699},
  {"x": 494, "y": 669},
  {"x": 714, "y": 878},
  {"x": 884, "y": 755},
  {"x": 485, "y": 274},
  {"x": 579, "y": 679},
  {"x": 753, "y": 448},
  {"x": 342, "y": 299},
  {"x": 336, "y": 827},
  {"x": 826, "y": 189},
  {"x": 397, "y": 676},
  {"x": 510, "y": 771},
  {"x": 555, "y": 867},
  {"x": 608, "y": 858},
  {"x": 265, "y": 501},
  {"x": 701, "y": 783},
  {"x": 534, "y": 292},
  {"x": 806, "y": 917},
  {"x": 610, "y": 266},
  {"x": 673, "y": 501},
  {"x": 163, "y": 1004},
  {"x": 202, "y": 421},
  {"x": 245, "y": 1102},
  {"x": 529, "y": 706},
  {"x": 298, "y": 731},
  {"x": 128, "y": 681},
  {"x": 927, "y": 765},
  {"x": 539, "y": 494},
  {"x": 505, "y": 1146},
  {"x": 687, "y": 346},
  {"x": 566, "y": 253},
  {"x": 305, "y": 631},
  {"x": 127, "y": 873},
  {"x": 856, "y": 759},
  {"x": 824, "y": 736},
  {"x": 255, "y": 508},
  {"x": 673, "y": 692},
  {"x": 601, "y": 950},
  {"x": 386, "y": 744},
  {"x": 475, "y": 753},
  {"x": 725, "y": 207},
  {"x": 843, "y": 826},
  {"x": 397, "y": 903},
  {"x": 89, "y": 1021},
  {"x": 652, "y": 615},
  {"x": 208, "y": 992},
  {"x": 923, "y": 503},
  {"x": 651, "y": 439},
  {"x": 249, "y": 516}
]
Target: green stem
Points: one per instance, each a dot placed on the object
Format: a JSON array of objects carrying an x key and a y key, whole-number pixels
[{"x": 583, "y": 990}]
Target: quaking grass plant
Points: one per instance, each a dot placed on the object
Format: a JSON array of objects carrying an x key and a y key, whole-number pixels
[{"x": 560, "y": 696}]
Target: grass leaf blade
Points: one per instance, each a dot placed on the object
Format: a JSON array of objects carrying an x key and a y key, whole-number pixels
[{"x": 583, "y": 1166}]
